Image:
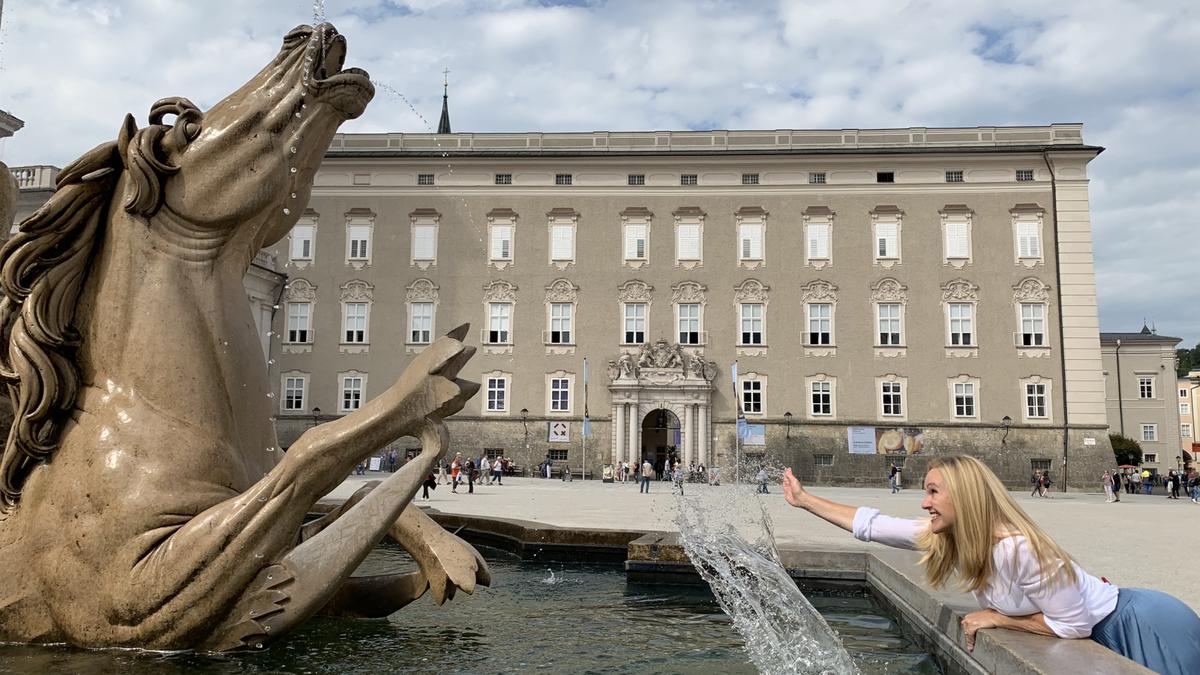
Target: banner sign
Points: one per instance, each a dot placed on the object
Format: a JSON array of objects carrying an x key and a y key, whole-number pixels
[
  {"x": 756, "y": 434},
  {"x": 899, "y": 441},
  {"x": 559, "y": 432},
  {"x": 860, "y": 440}
]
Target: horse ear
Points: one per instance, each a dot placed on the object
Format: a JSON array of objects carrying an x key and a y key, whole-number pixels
[{"x": 128, "y": 129}]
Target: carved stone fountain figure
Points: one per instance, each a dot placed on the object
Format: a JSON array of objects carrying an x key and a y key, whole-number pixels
[{"x": 145, "y": 501}]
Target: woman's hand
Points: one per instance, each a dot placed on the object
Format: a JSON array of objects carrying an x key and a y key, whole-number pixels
[
  {"x": 793, "y": 491},
  {"x": 984, "y": 618}
]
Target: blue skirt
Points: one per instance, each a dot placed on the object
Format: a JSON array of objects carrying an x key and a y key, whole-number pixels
[{"x": 1154, "y": 629}]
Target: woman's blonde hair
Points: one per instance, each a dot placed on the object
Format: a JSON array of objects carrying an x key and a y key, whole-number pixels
[{"x": 983, "y": 511}]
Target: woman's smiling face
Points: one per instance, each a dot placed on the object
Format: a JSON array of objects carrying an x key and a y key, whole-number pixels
[{"x": 937, "y": 503}]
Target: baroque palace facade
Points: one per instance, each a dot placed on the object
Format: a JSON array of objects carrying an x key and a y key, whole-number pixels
[{"x": 888, "y": 295}]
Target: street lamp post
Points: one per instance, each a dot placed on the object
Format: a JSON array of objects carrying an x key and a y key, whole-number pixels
[
  {"x": 316, "y": 415},
  {"x": 787, "y": 423},
  {"x": 1005, "y": 423},
  {"x": 525, "y": 424}
]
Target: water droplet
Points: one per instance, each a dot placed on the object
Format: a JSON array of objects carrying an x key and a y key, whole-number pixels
[
  {"x": 287, "y": 212},
  {"x": 293, "y": 149},
  {"x": 297, "y": 114},
  {"x": 270, "y": 395},
  {"x": 269, "y": 577},
  {"x": 293, "y": 169},
  {"x": 271, "y": 449},
  {"x": 293, "y": 195},
  {"x": 258, "y": 555}
]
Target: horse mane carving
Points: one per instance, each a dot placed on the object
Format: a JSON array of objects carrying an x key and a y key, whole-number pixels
[{"x": 45, "y": 265}]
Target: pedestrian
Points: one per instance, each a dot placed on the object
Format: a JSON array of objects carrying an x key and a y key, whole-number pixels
[
  {"x": 391, "y": 460},
  {"x": 1046, "y": 483},
  {"x": 430, "y": 483},
  {"x": 1175, "y": 480},
  {"x": 1116, "y": 475},
  {"x": 361, "y": 468},
  {"x": 498, "y": 470},
  {"x": 455, "y": 472},
  {"x": 894, "y": 478},
  {"x": 1147, "y": 482},
  {"x": 566, "y": 473},
  {"x": 1036, "y": 481},
  {"x": 1021, "y": 578},
  {"x": 679, "y": 477},
  {"x": 1194, "y": 486},
  {"x": 762, "y": 480},
  {"x": 469, "y": 469},
  {"x": 546, "y": 466},
  {"x": 647, "y": 468},
  {"x": 485, "y": 469},
  {"x": 1107, "y": 481},
  {"x": 441, "y": 472}
]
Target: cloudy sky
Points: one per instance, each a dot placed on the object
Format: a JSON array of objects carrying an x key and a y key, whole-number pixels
[{"x": 1130, "y": 71}]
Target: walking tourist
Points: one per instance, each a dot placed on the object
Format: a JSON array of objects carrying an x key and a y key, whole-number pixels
[
  {"x": 1021, "y": 578},
  {"x": 762, "y": 480},
  {"x": 391, "y": 459},
  {"x": 566, "y": 473},
  {"x": 548, "y": 465},
  {"x": 498, "y": 470},
  {"x": 1174, "y": 489},
  {"x": 1116, "y": 476},
  {"x": 647, "y": 468},
  {"x": 1044, "y": 488},
  {"x": 1193, "y": 484},
  {"x": 678, "y": 474},
  {"x": 1107, "y": 481},
  {"x": 1147, "y": 482},
  {"x": 485, "y": 469},
  {"x": 894, "y": 478},
  {"x": 455, "y": 470},
  {"x": 1036, "y": 481},
  {"x": 469, "y": 469},
  {"x": 430, "y": 483}
]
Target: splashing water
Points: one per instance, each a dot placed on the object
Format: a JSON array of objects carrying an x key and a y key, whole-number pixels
[{"x": 784, "y": 633}]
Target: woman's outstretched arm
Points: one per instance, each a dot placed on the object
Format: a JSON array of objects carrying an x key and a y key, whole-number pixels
[{"x": 841, "y": 515}]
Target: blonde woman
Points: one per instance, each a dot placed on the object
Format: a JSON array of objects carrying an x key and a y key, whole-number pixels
[{"x": 1021, "y": 578}]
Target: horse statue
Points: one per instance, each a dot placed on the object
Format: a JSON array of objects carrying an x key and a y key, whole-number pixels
[{"x": 144, "y": 502}]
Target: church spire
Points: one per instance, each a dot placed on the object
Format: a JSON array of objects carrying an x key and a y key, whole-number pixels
[{"x": 444, "y": 123}]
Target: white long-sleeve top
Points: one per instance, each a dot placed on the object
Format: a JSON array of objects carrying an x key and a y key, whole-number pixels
[{"x": 1016, "y": 588}]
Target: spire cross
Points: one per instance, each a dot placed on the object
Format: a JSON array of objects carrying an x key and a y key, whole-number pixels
[{"x": 445, "y": 80}]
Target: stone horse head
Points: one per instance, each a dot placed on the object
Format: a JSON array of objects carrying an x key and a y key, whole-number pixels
[{"x": 144, "y": 501}]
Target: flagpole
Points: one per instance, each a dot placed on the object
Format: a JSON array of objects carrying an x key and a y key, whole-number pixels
[
  {"x": 587, "y": 427},
  {"x": 737, "y": 435}
]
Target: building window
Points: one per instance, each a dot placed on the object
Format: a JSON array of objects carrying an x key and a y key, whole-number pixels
[
  {"x": 1029, "y": 239},
  {"x": 560, "y": 323},
  {"x": 750, "y": 240},
  {"x": 499, "y": 321},
  {"x": 822, "y": 398},
  {"x": 500, "y": 248},
  {"x": 354, "y": 322},
  {"x": 635, "y": 323},
  {"x": 1150, "y": 458},
  {"x": 1183, "y": 393},
  {"x": 752, "y": 323},
  {"x": 752, "y": 392},
  {"x": 961, "y": 320},
  {"x": 954, "y": 176},
  {"x": 1149, "y": 433},
  {"x": 497, "y": 394},
  {"x": 688, "y": 179},
  {"x": 563, "y": 179},
  {"x": 1024, "y": 175},
  {"x": 557, "y": 454},
  {"x": 635, "y": 241},
  {"x": 820, "y": 323},
  {"x": 293, "y": 394},
  {"x": 689, "y": 324},
  {"x": 888, "y": 314},
  {"x": 958, "y": 240},
  {"x": 1146, "y": 386},
  {"x": 637, "y": 179},
  {"x": 1035, "y": 401},
  {"x": 893, "y": 405},
  {"x": 560, "y": 394},
  {"x": 360, "y": 238},
  {"x": 1042, "y": 465},
  {"x": 302, "y": 242},
  {"x": 504, "y": 179},
  {"x": 887, "y": 240},
  {"x": 885, "y": 177},
  {"x": 493, "y": 453},
  {"x": 299, "y": 316},
  {"x": 816, "y": 178},
  {"x": 687, "y": 241},
  {"x": 1185, "y": 430},
  {"x": 352, "y": 392},
  {"x": 424, "y": 179},
  {"x": 424, "y": 242},
  {"x": 818, "y": 241},
  {"x": 822, "y": 459},
  {"x": 1033, "y": 324},
  {"x": 1185, "y": 409},
  {"x": 562, "y": 241},
  {"x": 964, "y": 399},
  {"x": 749, "y": 179},
  {"x": 420, "y": 323}
]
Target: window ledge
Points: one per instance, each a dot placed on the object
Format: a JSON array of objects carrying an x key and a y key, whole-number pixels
[
  {"x": 962, "y": 352},
  {"x": 358, "y": 264},
  {"x": 751, "y": 350},
  {"x": 424, "y": 264},
  {"x": 887, "y": 263},
  {"x": 890, "y": 351},
  {"x": 820, "y": 350},
  {"x": 558, "y": 349},
  {"x": 301, "y": 264},
  {"x": 297, "y": 347},
  {"x": 354, "y": 347},
  {"x": 500, "y": 264},
  {"x": 562, "y": 264},
  {"x": 688, "y": 264},
  {"x": 1033, "y": 352},
  {"x": 1029, "y": 262},
  {"x": 497, "y": 349},
  {"x": 636, "y": 263},
  {"x": 415, "y": 347},
  {"x": 957, "y": 263},
  {"x": 819, "y": 263},
  {"x": 751, "y": 264}
]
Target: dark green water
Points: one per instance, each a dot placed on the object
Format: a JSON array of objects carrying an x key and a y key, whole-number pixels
[{"x": 583, "y": 619}]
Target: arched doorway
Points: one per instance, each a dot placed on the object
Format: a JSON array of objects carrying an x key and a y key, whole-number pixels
[{"x": 660, "y": 438}]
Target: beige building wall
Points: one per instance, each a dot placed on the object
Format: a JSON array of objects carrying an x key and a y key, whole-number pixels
[
  {"x": 786, "y": 183},
  {"x": 1141, "y": 393}
]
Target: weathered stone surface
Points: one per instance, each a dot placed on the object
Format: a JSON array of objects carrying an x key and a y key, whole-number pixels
[
  {"x": 145, "y": 501},
  {"x": 8, "y": 197}
]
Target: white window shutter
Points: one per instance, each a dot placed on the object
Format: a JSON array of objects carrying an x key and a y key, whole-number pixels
[
  {"x": 818, "y": 241},
  {"x": 689, "y": 242},
  {"x": 635, "y": 237},
  {"x": 560, "y": 245},
  {"x": 423, "y": 242},
  {"x": 302, "y": 241},
  {"x": 885, "y": 233},
  {"x": 501, "y": 242},
  {"x": 956, "y": 240},
  {"x": 751, "y": 241}
]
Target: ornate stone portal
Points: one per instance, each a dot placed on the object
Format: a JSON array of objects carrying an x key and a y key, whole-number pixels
[
  {"x": 168, "y": 518},
  {"x": 662, "y": 376}
]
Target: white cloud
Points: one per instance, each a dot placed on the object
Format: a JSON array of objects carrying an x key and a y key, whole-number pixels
[{"x": 1130, "y": 71}]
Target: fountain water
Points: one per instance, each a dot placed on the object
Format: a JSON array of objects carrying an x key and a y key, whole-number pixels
[{"x": 783, "y": 632}]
